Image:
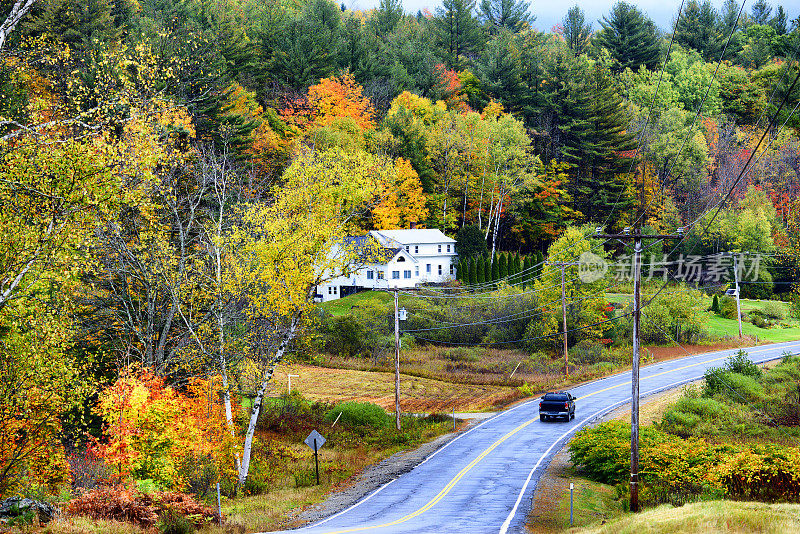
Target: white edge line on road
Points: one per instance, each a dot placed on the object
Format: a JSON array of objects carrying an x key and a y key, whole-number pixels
[{"x": 507, "y": 522}]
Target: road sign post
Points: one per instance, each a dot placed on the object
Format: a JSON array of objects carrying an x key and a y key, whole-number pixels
[{"x": 315, "y": 441}]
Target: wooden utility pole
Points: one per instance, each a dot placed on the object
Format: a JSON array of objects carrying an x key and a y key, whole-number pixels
[
  {"x": 636, "y": 237},
  {"x": 563, "y": 265},
  {"x": 738, "y": 306},
  {"x": 396, "y": 360}
]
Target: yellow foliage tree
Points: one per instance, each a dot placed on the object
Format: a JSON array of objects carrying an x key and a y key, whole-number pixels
[
  {"x": 285, "y": 248},
  {"x": 339, "y": 97},
  {"x": 401, "y": 202}
]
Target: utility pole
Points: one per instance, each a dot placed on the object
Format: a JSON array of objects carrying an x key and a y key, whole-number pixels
[
  {"x": 396, "y": 360},
  {"x": 563, "y": 265},
  {"x": 399, "y": 315},
  {"x": 738, "y": 306},
  {"x": 636, "y": 237}
]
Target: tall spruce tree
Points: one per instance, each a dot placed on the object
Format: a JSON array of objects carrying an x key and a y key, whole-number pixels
[
  {"x": 487, "y": 269},
  {"x": 480, "y": 270},
  {"x": 630, "y": 37},
  {"x": 495, "y": 268},
  {"x": 502, "y": 262},
  {"x": 458, "y": 34},
  {"x": 387, "y": 17},
  {"x": 760, "y": 12},
  {"x": 310, "y": 40},
  {"x": 729, "y": 22},
  {"x": 698, "y": 28},
  {"x": 473, "y": 271},
  {"x": 499, "y": 69},
  {"x": 513, "y": 15},
  {"x": 779, "y": 22},
  {"x": 526, "y": 272},
  {"x": 576, "y": 31},
  {"x": 596, "y": 139}
]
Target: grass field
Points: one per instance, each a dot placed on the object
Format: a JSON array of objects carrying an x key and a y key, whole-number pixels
[
  {"x": 365, "y": 298},
  {"x": 419, "y": 395},
  {"x": 707, "y": 517},
  {"x": 720, "y": 326}
]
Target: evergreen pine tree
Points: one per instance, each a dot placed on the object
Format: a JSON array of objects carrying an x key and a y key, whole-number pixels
[
  {"x": 576, "y": 31},
  {"x": 715, "y": 304},
  {"x": 760, "y": 12},
  {"x": 595, "y": 137},
  {"x": 457, "y": 31},
  {"x": 513, "y": 15},
  {"x": 495, "y": 269},
  {"x": 503, "y": 266},
  {"x": 487, "y": 268},
  {"x": 82, "y": 25},
  {"x": 499, "y": 69},
  {"x": 481, "y": 270},
  {"x": 539, "y": 263},
  {"x": 698, "y": 28},
  {"x": 517, "y": 264},
  {"x": 778, "y": 22},
  {"x": 473, "y": 271},
  {"x": 526, "y": 272},
  {"x": 388, "y": 17},
  {"x": 630, "y": 37},
  {"x": 727, "y": 24}
]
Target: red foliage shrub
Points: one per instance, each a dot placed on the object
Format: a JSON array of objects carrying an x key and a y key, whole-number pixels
[{"x": 133, "y": 506}]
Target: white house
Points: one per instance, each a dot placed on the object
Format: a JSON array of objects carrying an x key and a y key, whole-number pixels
[{"x": 410, "y": 257}]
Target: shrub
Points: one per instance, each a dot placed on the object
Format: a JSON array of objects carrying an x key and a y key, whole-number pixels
[
  {"x": 359, "y": 413},
  {"x": 758, "y": 321},
  {"x": 526, "y": 390},
  {"x": 794, "y": 307},
  {"x": 143, "y": 509},
  {"x": 727, "y": 307},
  {"x": 586, "y": 352},
  {"x": 741, "y": 363},
  {"x": 773, "y": 310}
]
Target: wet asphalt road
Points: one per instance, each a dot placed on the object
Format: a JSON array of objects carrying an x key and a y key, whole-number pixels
[{"x": 483, "y": 481}]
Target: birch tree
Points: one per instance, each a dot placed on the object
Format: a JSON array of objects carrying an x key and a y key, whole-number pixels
[{"x": 286, "y": 248}]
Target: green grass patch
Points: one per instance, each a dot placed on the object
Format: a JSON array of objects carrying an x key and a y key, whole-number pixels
[
  {"x": 719, "y": 326},
  {"x": 343, "y": 306}
]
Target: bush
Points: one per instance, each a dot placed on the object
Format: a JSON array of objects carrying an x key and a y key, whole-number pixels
[
  {"x": 794, "y": 307},
  {"x": 758, "y": 321},
  {"x": 741, "y": 363},
  {"x": 773, "y": 310},
  {"x": 586, "y": 352},
  {"x": 359, "y": 413},
  {"x": 727, "y": 307}
]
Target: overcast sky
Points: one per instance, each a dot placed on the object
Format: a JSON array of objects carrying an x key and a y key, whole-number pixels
[{"x": 549, "y": 12}]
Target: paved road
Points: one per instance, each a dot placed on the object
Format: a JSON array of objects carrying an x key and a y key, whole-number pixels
[{"x": 483, "y": 481}]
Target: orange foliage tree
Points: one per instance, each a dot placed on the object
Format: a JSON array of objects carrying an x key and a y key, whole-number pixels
[
  {"x": 340, "y": 97},
  {"x": 153, "y": 432}
]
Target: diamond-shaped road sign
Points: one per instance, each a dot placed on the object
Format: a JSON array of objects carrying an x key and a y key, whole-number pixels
[{"x": 310, "y": 440}]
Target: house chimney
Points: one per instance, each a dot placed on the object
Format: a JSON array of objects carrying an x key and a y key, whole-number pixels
[{"x": 412, "y": 226}]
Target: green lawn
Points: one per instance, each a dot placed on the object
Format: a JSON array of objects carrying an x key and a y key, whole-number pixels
[
  {"x": 721, "y": 327},
  {"x": 365, "y": 298}
]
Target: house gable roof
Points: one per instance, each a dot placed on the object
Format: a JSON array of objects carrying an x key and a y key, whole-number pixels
[{"x": 415, "y": 236}]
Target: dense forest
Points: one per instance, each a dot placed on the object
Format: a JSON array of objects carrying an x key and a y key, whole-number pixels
[{"x": 174, "y": 170}]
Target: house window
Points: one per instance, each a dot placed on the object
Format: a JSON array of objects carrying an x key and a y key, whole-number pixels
[
  {"x": 395, "y": 275},
  {"x": 451, "y": 269},
  {"x": 416, "y": 271},
  {"x": 440, "y": 270},
  {"x": 440, "y": 248},
  {"x": 448, "y": 248},
  {"x": 408, "y": 248},
  {"x": 401, "y": 258},
  {"x": 330, "y": 291},
  {"x": 416, "y": 249},
  {"x": 407, "y": 274},
  {"x": 381, "y": 275},
  {"x": 370, "y": 275},
  {"x": 335, "y": 290},
  {"x": 428, "y": 268}
]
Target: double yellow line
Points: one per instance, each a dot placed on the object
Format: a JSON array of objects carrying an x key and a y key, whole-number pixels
[{"x": 441, "y": 495}]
